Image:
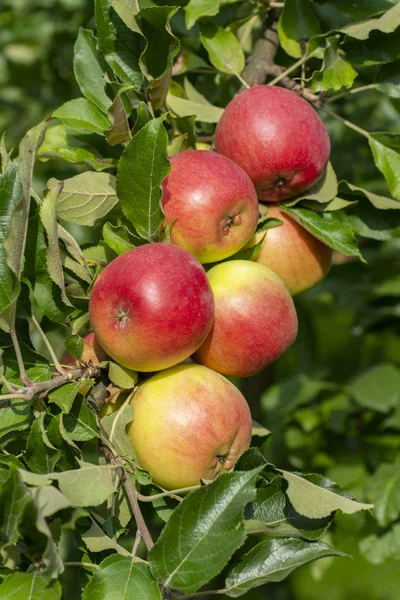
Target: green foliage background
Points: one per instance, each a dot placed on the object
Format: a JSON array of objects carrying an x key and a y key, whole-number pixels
[{"x": 332, "y": 401}]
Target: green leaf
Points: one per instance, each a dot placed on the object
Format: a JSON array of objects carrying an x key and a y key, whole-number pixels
[
  {"x": 332, "y": 228},
  {"x": 383, "y": 489},
  {"x": 121, "y": 376},
  {"x": 296, "y": 23},
  {"x": 74, "y": 345},
  {"x": 386, "y": 23},
  {"x": 59, "y": 143},
  {"x": 335, "y": 73},
  {"x": 161, "y": 46},
  {"x": 378, "y": 388},
  {"x": 115, "y": 426},
  {"x": 378, "y": 549},
  {"x": 10, "y": 196},
  {"x": 271, "y": 513},
  {"x": 202, "y": 534},
  {"x": 224, "y": 50},
  {"x": 386, "y": 153},
  {"x": 388, "y": 79},
  {"x": 16, "y": 417},
  {"x": 40, "y": 455},
  {"x": 119, "y": 132},
  {"x": 65, "y": 395},
  {"x": 13, "y": 499},
  {"x": 380, "y": 202},
  {"x": 80, "y": 422},
  {"x": 82, "y": 116},
  {"x": 259, "y": 430},
  {"x": 316, "y": 497},
  {"x": 374, "y": 224},
  {"x": 141, "y": 169},
  {"x": 272, "y": 561},
  {"x": 203, "y": 112},
  {"x": 89, "y": 485},
  {"x": 323, "y": 191},
  {"x": 89, "y": 70},
  {"x": 200, "y": 8},
  {"x": 117, "y": 238},
  {"x": 121, "y": 577},
  {"x": 29, "y": 586},
  {"x": 97, "y": 541},
  {"x": 86, "y": 197}
]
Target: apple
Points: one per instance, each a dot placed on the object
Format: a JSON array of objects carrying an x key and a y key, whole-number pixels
[
  {"x": 190, "y": 424},
  {"x": 152, "y": 307},
  {"x": 255, "y": 319},
  {"x": 277, "y": 138},
  {"x": 92, "y": 352},
  {"x": 212, "y": 203},
  {"x": 300, "y": 259}
]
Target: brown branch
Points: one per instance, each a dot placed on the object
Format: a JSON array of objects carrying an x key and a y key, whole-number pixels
[
  {"x": 261, "y": 61},
  {"x": 41, "y": 388}
]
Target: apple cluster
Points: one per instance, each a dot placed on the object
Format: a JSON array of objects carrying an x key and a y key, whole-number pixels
[{"x": 155, "y": 306}]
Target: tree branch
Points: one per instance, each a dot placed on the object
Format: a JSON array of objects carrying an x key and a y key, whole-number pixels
[{"x": 262, "y": 59}]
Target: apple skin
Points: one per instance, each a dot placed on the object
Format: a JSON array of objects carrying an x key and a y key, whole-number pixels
[
  {"x": 300, "y": 259},
  {"x": 152, "y": 307},
  {"x": 255, "y": 319},
  {"x": 214, "y": 203},
  {"x": 277, "y": 138},
  {"x": 190, "y": 424},
  {"x": 92, "y": 352}
]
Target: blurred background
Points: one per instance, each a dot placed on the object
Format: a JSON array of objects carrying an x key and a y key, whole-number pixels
[{"x": 332, "y": 401}]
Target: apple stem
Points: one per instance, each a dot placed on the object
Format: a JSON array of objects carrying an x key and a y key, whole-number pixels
[
  {"x": 295, "y": 65},
  {"x": 242, "y": 81},
  {"x": 348, "y": 124}
]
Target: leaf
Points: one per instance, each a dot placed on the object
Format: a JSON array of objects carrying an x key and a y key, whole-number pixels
[
  {"x": 117, "y": 238},
  {"x": 378, "y": 388},
  {"x": 119, "y": 132},
  {"x": 183, "y": 108},
  {"x": 297, "y": 22},
  {"x": 86, "y": 197},
  {"x": 380, "y": 202},
  {"x": 80, "y": 423},
  {"x": 89, "y": 71},
  {"x": 386, "y": 154},
  {"x": 82, "y": 115},
  {"x": 336, "y": 72},
  {"x": 121, "y": 376},
  {"x": 40, "y": 455},
  {"x": 97, "y": 541},
  {"x": 65, "y": 395},
  {"x": 272, "y": 561},
  {"x": 315, "y": 502},
  {"x": 29, "y": 586},
  {"x": 59, "y": 143},
  {"x": 160, "y": 45},
  {"x": 383, "y": 489},
  {"x": 203, "y": 532},
  {"x": 115, "y": 426},
  {"x": 387, "y": 23},
  {"x": 200, "y": 8},
  {"x": 143, "y": 116},
  {"x": 224, "y": 50},
  {"x": 141, "y": 169},
  {"x": 323, "y": 191},
  {"x": 379, "y": 549},
  {"x": 88, "y": 486},
  {"x": 74, "y": 345},
  {"x": 16, "y": 417},
  {"x": 388, "y": 79},
  {"x": 10, "y": 196},
  {"x": 13, "y": 499},
  {"x": 259, "y": 430},
  {"x": 120, "y": 577}
]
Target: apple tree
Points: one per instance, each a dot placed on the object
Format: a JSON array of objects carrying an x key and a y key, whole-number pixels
[{"x": 80, "y": 515}]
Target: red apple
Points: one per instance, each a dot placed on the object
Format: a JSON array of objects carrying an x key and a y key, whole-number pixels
[
  {"x": 300, "y": 260},
  {"x": 277, "y": 138},
  {"x": 214, "y": 203},
  {"x": 152, "y": 307},
  {"x": 255, "y": 319},
  {"x": 92, "y": 352},
  {"x": 190, "y": 424}
]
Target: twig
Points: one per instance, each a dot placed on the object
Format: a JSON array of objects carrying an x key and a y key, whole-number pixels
[
  {"x": 20, "y": 360},
  {"x": 131, "y": 494},
  {"x": 48, "y": 346},
  {"x": 348, "y": 124},
  {"x": 43, "y": 387},
  {"x": 292, "y": 68},
  {"x": 136, "y": 543},
  {"x": 81, "y": 564},
  {"x": 363, "y": 88},
  {"x": 262, "y": 58},
  {"x": 172, "y": 493}
]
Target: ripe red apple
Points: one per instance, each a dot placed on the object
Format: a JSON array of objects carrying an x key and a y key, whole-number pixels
[
  {"x": 152, "y": 307},
  {"x": 255, "y": 319},
  {"x": 300, "y": 260},
  {"x": 92, "y": 352},
  {"x": 214, "y": 203},
  {"x": 277, "y": 138},
  {"x": 190, "y": 424}
]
